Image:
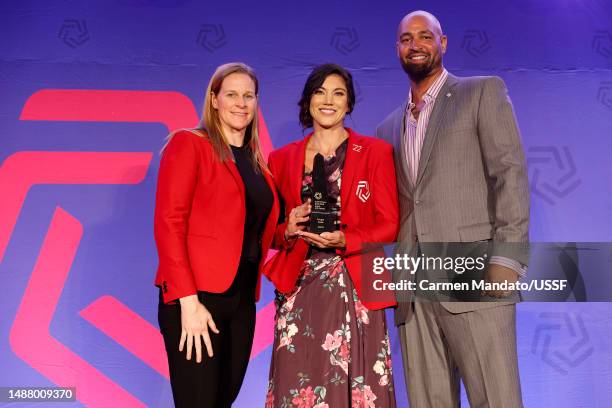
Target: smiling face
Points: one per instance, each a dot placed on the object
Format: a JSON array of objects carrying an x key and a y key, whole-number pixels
[
  {"x": 329, "y": 103},
  {"x": 236, "y": 103},
  {"x": 420, "y": 46}
]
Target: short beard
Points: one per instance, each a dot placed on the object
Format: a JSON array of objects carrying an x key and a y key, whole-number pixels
[
  {"x": 417, "y": 73},
  {"x": 420, "y": 72}
]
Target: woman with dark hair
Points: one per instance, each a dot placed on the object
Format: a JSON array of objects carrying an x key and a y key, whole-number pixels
[
  {"x": 331, "y": 347},
  {"x": 215, "y": 217}
]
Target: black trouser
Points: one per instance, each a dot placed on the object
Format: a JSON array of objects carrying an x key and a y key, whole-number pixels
[{"x": 216, "y": 381}]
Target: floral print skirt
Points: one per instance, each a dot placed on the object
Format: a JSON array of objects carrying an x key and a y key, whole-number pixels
[{"x": 329, "y": 350}]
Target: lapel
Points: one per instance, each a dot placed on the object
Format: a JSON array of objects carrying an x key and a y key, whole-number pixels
[
  {"x": 397, "y": 125},
  {"x": 270, "y": 181},
  {"x": 352, "y": 160},
  {"x": 443, "y": 100},
  {"x": 231, "y": 166},
  {"x": 296, "y": 159},
  {"x": 399, "y": 145}
]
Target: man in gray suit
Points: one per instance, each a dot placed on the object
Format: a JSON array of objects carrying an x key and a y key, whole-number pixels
[{"x": 462, "y": 178}]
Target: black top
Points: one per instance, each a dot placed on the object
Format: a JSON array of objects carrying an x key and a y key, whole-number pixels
[{"x": 258, "y": 198}]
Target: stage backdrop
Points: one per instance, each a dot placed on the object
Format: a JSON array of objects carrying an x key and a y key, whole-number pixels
[{"x": 89, "y": 90}]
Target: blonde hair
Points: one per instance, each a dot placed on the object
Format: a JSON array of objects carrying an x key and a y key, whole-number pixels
[{"x": 210, "y": 124}]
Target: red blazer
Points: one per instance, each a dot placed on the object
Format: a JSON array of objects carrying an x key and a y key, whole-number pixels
[
  {"x": 199, "y": 219},
  {"x": 369, "y": 212}
]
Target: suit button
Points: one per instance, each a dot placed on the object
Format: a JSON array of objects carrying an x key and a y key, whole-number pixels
[{"x": 417, "y": 202}]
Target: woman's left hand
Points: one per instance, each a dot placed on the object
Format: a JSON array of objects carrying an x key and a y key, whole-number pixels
[{"x": 325, "y": 240}]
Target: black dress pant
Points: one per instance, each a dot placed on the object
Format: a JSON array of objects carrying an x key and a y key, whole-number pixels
[{"x": 216, "y": 381}]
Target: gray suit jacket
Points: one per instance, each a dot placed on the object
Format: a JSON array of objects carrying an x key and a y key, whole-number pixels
[{"x": 471, "y": 182}]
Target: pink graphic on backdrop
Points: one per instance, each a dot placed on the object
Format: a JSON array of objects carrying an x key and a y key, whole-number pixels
[
  {"x": 173, "y": 109},
  {"x": 22, "y": 170},
  {"x": 143, "y": 340},
  {"x": 30, "y": 338},
  {"x": 264, "y": 136},
  {"x": 131, "y": 331},
  {"x": 264, "y": 329}
]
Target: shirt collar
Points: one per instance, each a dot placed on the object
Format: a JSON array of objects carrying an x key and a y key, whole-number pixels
[{"x": 433, "y": 90}]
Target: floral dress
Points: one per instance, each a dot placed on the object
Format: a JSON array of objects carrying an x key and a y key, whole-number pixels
[{"x": 329, "y": 350}]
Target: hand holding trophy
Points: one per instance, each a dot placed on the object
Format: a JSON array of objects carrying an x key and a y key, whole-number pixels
[{"x": 322, "y": 231}]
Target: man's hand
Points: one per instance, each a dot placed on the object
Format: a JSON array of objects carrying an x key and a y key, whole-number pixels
[{"x": 497, "y": 274}]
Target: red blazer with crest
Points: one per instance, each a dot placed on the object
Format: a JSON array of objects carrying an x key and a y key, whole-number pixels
[
  {"x": 200, "y": 211},
  {"x": 369, "y": 212}
]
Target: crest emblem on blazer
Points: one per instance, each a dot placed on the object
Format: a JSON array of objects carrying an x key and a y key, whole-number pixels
[
  {"x": 363, "y": 190},
  {"x": 357, "y": 148}
]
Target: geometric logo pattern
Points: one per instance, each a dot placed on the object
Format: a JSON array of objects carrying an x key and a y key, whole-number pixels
[
  {"x": 475, "y": 42},
  {"x": 345, "y": 40},
  {"x": 211, "y": 37},
  {"x": 604, "y": 94},
  {"x": 561, "y": 357},
  {"x": 74, "y": 32},
  {"x": 602, "y": 43},
  {"x": 363, "y": 191},
  {"x": 559, "y": 164}
]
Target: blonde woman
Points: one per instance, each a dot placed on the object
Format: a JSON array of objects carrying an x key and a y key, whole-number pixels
[{"x": 215, "y": 216}]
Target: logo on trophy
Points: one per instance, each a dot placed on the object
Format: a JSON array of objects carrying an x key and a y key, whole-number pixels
[{"x": 322, "y": 219}]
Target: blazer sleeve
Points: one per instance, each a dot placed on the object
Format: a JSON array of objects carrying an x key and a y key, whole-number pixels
[
  {"x": 383, "y": 191},
  {"x": 505, "y": 166},
  {"x": 176, "y": 184}
]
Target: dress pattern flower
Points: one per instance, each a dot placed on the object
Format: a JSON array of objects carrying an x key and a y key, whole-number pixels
[{"x": 329, "y": 349}]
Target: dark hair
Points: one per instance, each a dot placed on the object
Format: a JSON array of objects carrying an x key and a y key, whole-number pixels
[{"x": 315, "y": 81}]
